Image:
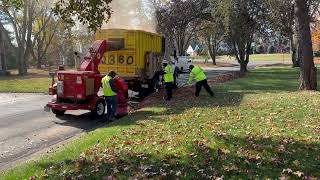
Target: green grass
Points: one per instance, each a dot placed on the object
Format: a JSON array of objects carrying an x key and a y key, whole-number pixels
[
  {"x": 17, "y": 84},
  {"x": 270, "y": 57},
  {"x": 263, "y": 57},
  {"x": 253, "y": 57},
  {"x": 37, "y": 81},
  {"x": 257, "y": 127}
]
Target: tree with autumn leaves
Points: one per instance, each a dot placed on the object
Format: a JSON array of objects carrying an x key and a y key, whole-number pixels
[{"x": 316, "y": 37}]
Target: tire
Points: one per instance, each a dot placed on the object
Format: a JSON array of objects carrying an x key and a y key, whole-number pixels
[
  {"x": 58, "y": 112},
  {"x": 99, "y": 110}
]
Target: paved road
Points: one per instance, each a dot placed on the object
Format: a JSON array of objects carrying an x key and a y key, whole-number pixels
[{"x": 25, "y": 128}]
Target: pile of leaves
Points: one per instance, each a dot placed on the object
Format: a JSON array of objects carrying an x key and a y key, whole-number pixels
[{"x": 181, "y": 93}]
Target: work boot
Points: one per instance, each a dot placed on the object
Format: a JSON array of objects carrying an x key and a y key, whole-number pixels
[
  {"x": 109, "y": 118},
  {"x": 112, "y": 118}
]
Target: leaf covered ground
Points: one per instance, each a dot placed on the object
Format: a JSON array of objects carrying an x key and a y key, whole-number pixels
[{"x": 257, "y": 127}]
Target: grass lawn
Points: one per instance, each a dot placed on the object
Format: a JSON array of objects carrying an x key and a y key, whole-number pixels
[
  {"x": 253, "y": 57},
  {"x": 262, "y": 57},
  {"x": 270, "y": 57},
  {"x": 257, "y": 127},
  {"x": 37, "y": 81},
  {"x": 24, "y": 85}
]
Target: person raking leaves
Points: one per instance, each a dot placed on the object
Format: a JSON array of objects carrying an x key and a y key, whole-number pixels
[
  {"x": 110, "y": 94},
  {"x": 196, "y": 73},
  {"x": 168, "y": 79}
]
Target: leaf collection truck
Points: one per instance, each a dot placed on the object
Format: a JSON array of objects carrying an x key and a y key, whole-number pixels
[{"x": 135, "y": 55}]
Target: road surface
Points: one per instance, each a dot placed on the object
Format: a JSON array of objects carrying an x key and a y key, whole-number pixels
[{"x": 26, "y": 129}]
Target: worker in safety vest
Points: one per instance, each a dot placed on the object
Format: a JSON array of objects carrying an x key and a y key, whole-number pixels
[
  {"x": 110, "y": 94},
  {"x": 175, "y": 73},
  {"x": 168, "y": 79},
  {"x": 197, "y": 73}
]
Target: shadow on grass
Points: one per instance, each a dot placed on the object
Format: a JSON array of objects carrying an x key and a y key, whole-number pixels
[
  {"x": 86, "y": 121},
  {"x": 242, "y": 157}
]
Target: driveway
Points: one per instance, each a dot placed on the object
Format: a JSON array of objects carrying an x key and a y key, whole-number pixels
[{"x": 25, "y": 128}]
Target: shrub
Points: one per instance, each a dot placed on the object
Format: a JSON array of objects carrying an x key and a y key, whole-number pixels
[
  {"x": 259, "y": 49},
  {"x": 11, "y": 62}
]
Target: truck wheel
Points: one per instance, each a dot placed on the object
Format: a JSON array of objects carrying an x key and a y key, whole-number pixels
[
  {"x": 99, "y": 110},
  {"x": 58, "y": 112}
]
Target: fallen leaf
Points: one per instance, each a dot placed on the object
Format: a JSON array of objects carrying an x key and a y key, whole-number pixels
[
  {"x": 298, "y": 173},
  {"x": 296, "y": 163},
  {"x": 288, "y": 171},
  {"x": 33, "y": 178},
  {"x": 178, "y": 173}
]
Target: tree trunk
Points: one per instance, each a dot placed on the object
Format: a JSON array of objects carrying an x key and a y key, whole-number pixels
[
  {"x": 294, "y": 53},
  {"x": 213, "y": 57},
  {"x": 308, "y": 72},
  {"x": 243, "y": 67},
  {"x": 241, "y": 56},
  {"x": 212, "y": 50}
]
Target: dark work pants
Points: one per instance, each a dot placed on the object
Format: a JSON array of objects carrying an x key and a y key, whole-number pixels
[
  {"x": 169, "y": 87},
  {"x": 112, "y": 105},
  {"x": 206, "y": 86}
]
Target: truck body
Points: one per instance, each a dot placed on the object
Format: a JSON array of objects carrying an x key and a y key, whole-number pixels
[{"x": 138, "y": 59}]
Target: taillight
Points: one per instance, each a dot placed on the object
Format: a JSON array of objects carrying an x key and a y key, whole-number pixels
[{"x": 79, "y": 80}]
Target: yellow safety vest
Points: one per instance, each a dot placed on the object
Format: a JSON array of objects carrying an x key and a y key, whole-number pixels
[
  {"x": 168, "y": 77},
  {"x": 107, "y": 91},
  {"x": 197, "y": 74}
]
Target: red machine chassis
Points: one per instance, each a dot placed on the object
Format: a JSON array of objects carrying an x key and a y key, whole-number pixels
[{"x": 75, "y": 106}]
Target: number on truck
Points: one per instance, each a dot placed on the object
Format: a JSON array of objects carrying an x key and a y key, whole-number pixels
[
  {"x": 130, "y": 60},
  {"x": 111, "y": 59},
  {"x": 121, "y": 59}
]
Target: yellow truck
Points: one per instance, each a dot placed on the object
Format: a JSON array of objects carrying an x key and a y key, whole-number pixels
[{"x": 138, "y": 60}]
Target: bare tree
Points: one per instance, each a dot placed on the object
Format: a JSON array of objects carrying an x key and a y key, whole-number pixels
[
  {"x": 281, "y": 18},
  {"x": 179, "y": 20},
  {"x": 212, "y": 33},
  {"x": 44, "y": 30},
  {"x": 21, "y": 17},
  {"x": 241, "y": 19}
]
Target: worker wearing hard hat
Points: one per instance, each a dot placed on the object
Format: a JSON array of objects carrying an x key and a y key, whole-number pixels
[
  {"x": 168, "y": 79},
  {"x": 110, "y": 94},
  {"x": 197, "y": 73}
]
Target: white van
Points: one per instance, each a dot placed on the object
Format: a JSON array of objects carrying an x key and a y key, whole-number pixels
[{"x": 183, "y": 63}]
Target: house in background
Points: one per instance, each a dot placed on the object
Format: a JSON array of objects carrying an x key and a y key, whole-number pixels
[
  {"x": 191, "y": 51},
  {"x": 194, "y": 48}
]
